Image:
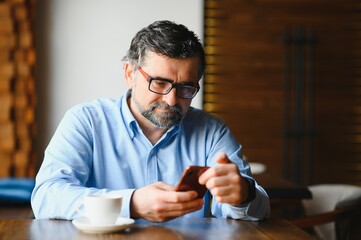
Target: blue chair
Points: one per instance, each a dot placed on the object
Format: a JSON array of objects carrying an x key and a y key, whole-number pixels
[{"x": 15, "y": 191}]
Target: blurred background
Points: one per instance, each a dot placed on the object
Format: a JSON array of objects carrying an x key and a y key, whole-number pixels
[
  {"x": 284, "y": 75},
  {"x": 56, "y": 54}
]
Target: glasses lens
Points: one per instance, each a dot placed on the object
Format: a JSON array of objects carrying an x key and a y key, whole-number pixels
[
  {"x": 185, "y": 91},
  {"x": 163, "y": 87},
  {"x": 160, "y": 86}
]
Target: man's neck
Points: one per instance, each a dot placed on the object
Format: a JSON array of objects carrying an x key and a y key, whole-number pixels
[{"x": 152, "y": 133}]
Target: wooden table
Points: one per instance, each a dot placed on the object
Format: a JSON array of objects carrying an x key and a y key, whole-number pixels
[
  {"x": 282, "y": 189},
  {"x": 181, "y": 228},
  {"x": 285, "y": 196}
]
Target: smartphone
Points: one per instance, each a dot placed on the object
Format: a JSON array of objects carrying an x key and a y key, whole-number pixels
[{"x": 189, "y": 180}]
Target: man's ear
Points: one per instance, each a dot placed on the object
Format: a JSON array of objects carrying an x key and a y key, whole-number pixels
[{"x": 129, "y": 74}]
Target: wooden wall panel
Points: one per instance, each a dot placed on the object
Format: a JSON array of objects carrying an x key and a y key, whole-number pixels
[
  {"x": 285, "y": 76},
  {"x": 17, "y": 88}
]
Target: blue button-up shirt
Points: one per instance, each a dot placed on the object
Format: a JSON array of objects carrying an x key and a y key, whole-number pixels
[{"x": 99, "y": 148}]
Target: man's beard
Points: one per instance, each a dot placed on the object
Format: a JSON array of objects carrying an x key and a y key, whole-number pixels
[{"x": 163, "y": 120}]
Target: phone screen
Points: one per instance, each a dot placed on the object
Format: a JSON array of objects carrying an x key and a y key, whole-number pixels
[{"x": 189, "y": 180}]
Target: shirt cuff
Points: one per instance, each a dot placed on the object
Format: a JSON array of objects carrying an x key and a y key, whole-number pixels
[
  {"x": 251, "y": 192},
  {"x": 126, "y": 197}
]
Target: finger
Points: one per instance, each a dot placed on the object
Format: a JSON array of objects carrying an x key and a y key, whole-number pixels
[
  {"x": 220, "y": 170},
  {"x": 219, "y": 181},
  {"x": 212, "y": 172},
  {"x": 165, "y": 187},
  {"x": 178, "y": 209},
  {"x": 205, "y": 176},
  {"x": 227, "y": 194},
  {"x": 169, "y": 195},
  {"x": 181, "y": 212},
  {"x": 170, "y": 211},
  {"x": 222, "y": 191},
  {"x": 227, "y": 199},
  {"x": 179, "y": 197},
  {"x": 222, "y": 158},
  {"x": 184, "y": 206}
]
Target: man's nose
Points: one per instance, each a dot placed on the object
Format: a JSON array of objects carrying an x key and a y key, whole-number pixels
[{"x": 171, "y": 97}]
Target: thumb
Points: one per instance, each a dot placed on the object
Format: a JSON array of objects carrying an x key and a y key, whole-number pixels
[{"x": 222, "y": 158}]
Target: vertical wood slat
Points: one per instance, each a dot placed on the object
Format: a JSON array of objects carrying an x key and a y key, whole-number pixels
[
  {"x": 17, "y": 88},
  {"x": 246, "y": 77}
]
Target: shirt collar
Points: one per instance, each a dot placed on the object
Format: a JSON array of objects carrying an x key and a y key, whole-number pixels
[{"x": 128, "y": 118}]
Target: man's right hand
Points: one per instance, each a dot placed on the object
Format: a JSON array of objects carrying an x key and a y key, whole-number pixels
[{"x": 159, "y": 202}]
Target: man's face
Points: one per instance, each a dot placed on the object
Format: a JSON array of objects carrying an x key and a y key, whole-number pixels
[{"x": 162, "y": 110}]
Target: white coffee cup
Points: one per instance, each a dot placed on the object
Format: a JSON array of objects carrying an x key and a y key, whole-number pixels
[{"x": 102, "y": 209}]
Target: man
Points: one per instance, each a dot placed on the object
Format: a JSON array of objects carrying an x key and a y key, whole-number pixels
[{"x": 139, "y": 145}]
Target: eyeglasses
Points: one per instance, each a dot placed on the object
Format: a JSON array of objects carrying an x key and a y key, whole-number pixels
[{"x": 164, "y": 86}]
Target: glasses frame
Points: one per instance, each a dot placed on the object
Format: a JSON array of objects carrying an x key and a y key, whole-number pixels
[{"x": 174, "y": 85}]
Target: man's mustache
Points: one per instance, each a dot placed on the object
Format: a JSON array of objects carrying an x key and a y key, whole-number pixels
[{"x": 175, "y": 108}]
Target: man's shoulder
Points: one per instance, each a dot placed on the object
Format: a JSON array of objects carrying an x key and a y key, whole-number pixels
[{"x": 101, "y": 106}]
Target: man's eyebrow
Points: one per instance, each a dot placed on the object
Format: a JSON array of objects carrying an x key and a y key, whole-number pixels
[
  {"x": 162, "y": 78},
  {"x": 189, "y": 82}
]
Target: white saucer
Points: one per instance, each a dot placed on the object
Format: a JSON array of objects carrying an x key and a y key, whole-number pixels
[{"x": 84, "y": 225}]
